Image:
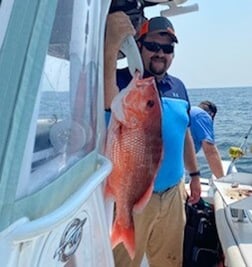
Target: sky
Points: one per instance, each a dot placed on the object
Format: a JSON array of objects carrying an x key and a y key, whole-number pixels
[{"x": 215, "y": 43}]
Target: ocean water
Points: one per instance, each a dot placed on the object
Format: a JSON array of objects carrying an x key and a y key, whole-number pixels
[{"x": 232, "y": 122}]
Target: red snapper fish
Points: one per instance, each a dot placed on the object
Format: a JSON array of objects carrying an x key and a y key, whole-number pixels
[{"x": 134, "y": 145}]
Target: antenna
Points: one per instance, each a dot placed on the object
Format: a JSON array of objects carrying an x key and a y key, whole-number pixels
[{"x": 178, "y": 10}]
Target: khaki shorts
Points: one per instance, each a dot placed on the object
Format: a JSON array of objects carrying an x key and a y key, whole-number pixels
[{"x": 159, "y": 231}]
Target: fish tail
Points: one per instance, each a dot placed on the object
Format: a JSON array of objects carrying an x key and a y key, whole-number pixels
[{"x": 125, "y": 235}]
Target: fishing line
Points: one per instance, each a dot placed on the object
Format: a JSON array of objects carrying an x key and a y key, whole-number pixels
[
  {"x": 243, "y": 146},
  {"x": 237, "y": 152}
]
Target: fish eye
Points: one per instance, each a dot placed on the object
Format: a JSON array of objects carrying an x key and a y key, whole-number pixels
[{"x": 150, "y": 103}]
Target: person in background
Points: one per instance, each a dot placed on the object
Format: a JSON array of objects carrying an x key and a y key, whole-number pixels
[
  {"x": 159, "y": 228},
  {"x": 202, "y": 130}
]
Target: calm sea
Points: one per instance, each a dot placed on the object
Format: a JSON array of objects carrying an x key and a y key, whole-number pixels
[{"x": 232, "y": 122}]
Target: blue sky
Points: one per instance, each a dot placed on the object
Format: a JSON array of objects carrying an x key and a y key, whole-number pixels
[{"x": 215, "y": 44}]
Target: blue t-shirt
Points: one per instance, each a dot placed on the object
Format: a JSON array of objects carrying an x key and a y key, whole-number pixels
[
  {"x": 201, "y": 127},
  {"x": 175, "y": 120}
]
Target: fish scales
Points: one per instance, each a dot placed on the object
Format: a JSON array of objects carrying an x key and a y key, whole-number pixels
[{"x": 134, "y": 145}]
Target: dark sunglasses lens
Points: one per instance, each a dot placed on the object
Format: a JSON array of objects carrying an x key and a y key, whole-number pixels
[
  {"x": 168, "y": 49},
  {"x": 155, "y": 47}
]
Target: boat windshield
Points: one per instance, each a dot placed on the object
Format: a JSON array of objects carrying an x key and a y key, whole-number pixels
[{"x": 66, "y": 108}]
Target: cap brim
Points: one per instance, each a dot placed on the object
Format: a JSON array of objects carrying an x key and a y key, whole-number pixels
[{"x": 171, "y": 35}]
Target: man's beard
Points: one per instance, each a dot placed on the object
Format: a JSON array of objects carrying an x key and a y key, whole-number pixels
[{"x": 158, "y": 71}]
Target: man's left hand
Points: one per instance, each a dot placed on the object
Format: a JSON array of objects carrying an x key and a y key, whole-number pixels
[{"x": 195, "y": 188}]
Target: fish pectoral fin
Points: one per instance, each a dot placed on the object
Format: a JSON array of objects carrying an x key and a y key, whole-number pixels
[
  {"x": 124, "y": 235},
  {"x": 140, "y": 205}
]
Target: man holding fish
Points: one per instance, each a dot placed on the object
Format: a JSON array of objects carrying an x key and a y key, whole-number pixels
[{"x": 148, "y": 168}]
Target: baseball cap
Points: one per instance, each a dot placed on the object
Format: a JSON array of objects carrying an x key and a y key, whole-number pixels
[{"x": 158, "y": 24}]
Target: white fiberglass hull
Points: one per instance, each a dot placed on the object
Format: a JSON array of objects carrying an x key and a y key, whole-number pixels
[
  {"x": 234, "y": 218},
  {"x": 235, "y": 236}
]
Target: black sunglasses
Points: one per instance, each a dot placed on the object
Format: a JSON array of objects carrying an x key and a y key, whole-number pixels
[{"x": 155, "y": 47}]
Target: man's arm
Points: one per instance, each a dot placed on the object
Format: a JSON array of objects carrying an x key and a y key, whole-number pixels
[
  {"x": 192, "y": 167},
  {"x": 213, "y": 158},
  {"x": 117, "y": 29}
]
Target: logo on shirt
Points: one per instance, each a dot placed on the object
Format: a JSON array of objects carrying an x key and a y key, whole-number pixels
[{"x": 175, "y": 94}]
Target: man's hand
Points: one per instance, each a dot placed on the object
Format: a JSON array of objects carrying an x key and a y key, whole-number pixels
[
  {"x": 195, "y": 188},
  {"x": 118, "y": 28}
]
